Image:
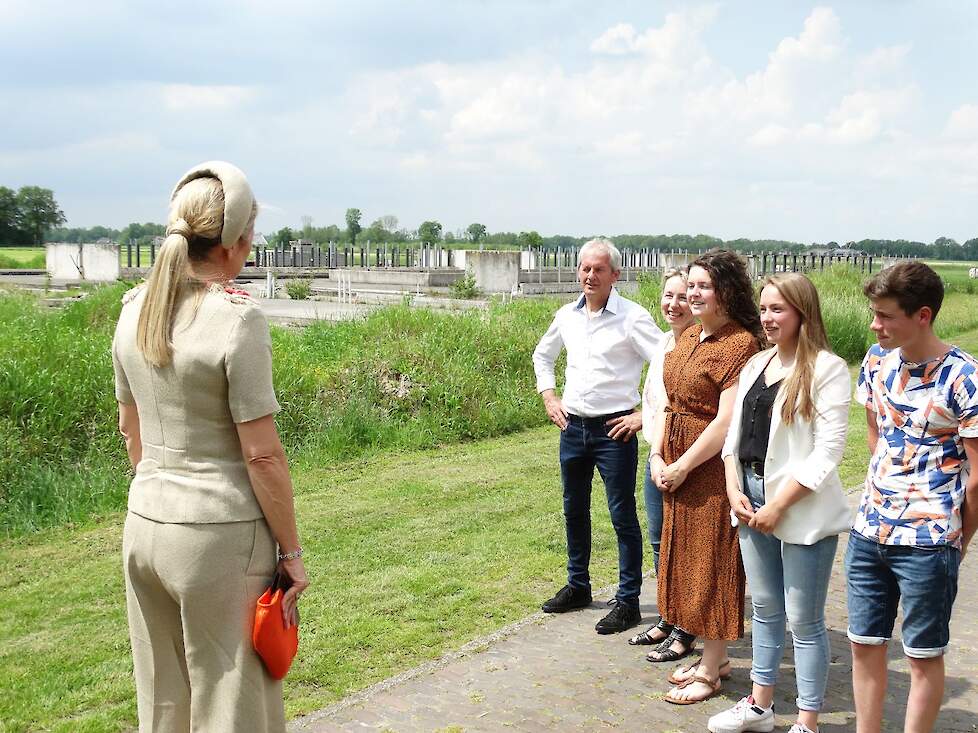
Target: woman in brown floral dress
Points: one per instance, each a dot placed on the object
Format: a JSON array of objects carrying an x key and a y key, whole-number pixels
[{"x": 701, "y": 578}]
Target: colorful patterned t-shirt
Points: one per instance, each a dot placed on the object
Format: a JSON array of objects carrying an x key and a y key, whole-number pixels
[{"x": 917, "y": 476}]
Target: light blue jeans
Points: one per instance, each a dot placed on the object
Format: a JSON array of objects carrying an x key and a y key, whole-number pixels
[{"x": 788, "y": 583}]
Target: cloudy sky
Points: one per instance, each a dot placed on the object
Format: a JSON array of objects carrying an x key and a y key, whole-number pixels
[{"x": 760, "y": 118}]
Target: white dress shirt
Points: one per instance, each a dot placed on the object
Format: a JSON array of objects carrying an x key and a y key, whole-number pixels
[{"x": 605, "y": 355}]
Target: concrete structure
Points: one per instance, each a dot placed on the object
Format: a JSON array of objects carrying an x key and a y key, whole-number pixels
[
  {"x": 495, "y": 272},
  {"x": 87, "y": 262}
]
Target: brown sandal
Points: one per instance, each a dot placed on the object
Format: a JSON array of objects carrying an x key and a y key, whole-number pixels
[
  {"x": 714, "y": 685},
  {"x": 725, "y": 671}
]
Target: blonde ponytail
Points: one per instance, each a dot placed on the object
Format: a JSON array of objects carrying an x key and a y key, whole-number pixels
[
  {"x": 196, "y": 218},
  {"x": 155, "y": 318}
]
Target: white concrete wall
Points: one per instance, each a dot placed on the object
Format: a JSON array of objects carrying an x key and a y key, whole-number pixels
[
  {"x": 495, "y": 272},
  {"x": 89, "y": 262}
]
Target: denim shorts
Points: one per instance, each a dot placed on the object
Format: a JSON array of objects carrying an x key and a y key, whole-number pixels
[{"x": 879, "y": 576}]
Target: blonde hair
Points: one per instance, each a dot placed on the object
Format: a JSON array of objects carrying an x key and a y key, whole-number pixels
[
  {"x": 670, "y": 272},
  {"x": 801, "y": 294},
  {"x": 194, "y": 227}
]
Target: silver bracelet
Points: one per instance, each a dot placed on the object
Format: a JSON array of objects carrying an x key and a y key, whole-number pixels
[{"x": 290, "y": 555}]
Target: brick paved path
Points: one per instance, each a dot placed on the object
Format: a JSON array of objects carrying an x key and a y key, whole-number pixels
[{"x": 555, "y": 673}]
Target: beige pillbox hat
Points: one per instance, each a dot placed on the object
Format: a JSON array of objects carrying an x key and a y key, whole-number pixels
[{"x": 238, "y": 197}]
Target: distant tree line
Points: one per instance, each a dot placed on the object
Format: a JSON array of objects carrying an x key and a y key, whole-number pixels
[
  {"x": 32, "y": 216},
  {"x": 386, "y": 230}
]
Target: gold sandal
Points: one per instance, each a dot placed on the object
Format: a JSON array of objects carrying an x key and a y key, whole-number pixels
[
  {"x": 725, "y": 671},
  {"x": 714, "y": 685}
]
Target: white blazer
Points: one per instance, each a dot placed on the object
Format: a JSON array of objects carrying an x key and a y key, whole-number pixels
[{"x": 808, "y": 452}]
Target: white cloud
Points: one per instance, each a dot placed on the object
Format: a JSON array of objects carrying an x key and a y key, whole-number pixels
[
  {"x": 770, "y": 135},
  {"x": 794, "y": 76},
  {"x": 619, "y": 39},
  {"x": 882, "y": 62},
  {"x": 860, "y": 116},
  {"x": 963, "y": 123},
  {"x": 670, "y": 42},
  {"x": 564, "y": 122}
]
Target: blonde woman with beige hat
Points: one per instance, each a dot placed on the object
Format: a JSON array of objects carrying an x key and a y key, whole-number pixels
[{"x": 211, "y": 513}]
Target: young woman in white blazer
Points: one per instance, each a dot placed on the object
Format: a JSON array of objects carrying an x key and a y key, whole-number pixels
[{"x": 781, "y": 456}]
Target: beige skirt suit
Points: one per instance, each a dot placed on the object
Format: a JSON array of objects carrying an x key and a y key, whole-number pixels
[{"x": 197, "y": 552}]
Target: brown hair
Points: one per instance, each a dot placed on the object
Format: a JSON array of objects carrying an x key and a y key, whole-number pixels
[
  {"x": 731, "y": 283},
  {"x": 799, "y": 292},
  {"x": 912, "y": 285}
]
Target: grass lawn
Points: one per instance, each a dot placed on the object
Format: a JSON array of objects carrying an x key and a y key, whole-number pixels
[
  {"x": 27, "y": 258},
  {"x": 411, "y": 555}
]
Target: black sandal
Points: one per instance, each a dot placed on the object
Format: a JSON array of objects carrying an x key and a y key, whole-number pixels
[
  {"x": 644, "y": 639},
  {"x": 665, "y": 651}
]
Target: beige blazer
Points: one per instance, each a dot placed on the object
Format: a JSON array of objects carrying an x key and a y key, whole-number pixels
[
  {"x": 192, "y": 470},
  {"x": 808, "y": 452}
]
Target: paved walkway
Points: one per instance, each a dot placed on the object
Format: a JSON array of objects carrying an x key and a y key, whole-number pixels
[{"x": 555, "y": 673}]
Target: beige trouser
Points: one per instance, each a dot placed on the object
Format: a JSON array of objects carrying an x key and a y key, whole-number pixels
[{"x": 191, "y": 591}]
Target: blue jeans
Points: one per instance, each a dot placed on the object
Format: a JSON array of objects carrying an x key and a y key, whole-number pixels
[
  {"x": 787, "y": 583},
  {"x": 653, "y": 511},
  {"x": 879, "y": 576},
  {"x": 585, "y": 444}
]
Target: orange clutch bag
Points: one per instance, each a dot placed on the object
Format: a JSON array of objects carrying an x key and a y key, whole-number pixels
[{"x": 275, "y": 644}]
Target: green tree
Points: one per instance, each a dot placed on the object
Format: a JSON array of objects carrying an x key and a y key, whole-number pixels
[
  {"x": 141, "y": 233},
  {"x": 353, "y": 227},
  {"x": 429, "y": 232},
  {"x": 332, "y": 233},
  {"x": 377, "y": 232},
  {"x": 476, "y": 232},
  {"x": 9, "y": 217},
  {"x": 81, "y": 234},
  {"x": 283, "y": 236},
  {"x": 526, "y": 240},
  {"x": 38, "y": 212}
]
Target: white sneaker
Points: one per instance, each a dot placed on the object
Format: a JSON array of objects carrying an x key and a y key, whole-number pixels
[
  {"x": 800, "y": 728},
  {"x": 742, "y": 717}
]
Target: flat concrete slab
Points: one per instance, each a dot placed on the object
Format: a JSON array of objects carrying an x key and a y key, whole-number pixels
[
  {"x": 555, "y": 673},
  {"x": 302, "y": 312}
]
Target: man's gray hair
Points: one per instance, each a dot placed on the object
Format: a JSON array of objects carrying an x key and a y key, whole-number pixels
[{"x": 600, "y": 245}]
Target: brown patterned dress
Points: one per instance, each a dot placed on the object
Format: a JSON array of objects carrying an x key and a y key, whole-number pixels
[{"x": 701, "y": 577}]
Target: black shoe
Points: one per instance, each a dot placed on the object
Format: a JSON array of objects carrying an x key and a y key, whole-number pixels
[
  {"x": 623, "y": 616},
  {"x": 568, "y": 598}
]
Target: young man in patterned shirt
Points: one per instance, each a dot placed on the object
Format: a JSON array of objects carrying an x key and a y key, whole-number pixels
[{"x": 919, "y": 509}]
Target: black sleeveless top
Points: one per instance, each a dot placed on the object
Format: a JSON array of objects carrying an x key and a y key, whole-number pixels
[{"x": 755, "y": 422}]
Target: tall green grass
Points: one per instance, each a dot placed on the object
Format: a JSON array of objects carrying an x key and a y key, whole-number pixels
[
  {"x": 409, "y": 378},
  {"x": 60, "y": 457},
  {"x": 402, "y": 378}
]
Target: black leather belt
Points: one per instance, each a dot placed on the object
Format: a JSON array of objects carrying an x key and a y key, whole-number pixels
[
  {"x": 755, "y": 467},
  {"x": 597, "y": 420}
]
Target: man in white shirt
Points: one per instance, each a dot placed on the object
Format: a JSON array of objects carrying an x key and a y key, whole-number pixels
[{"x": 608, "y": 340}]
